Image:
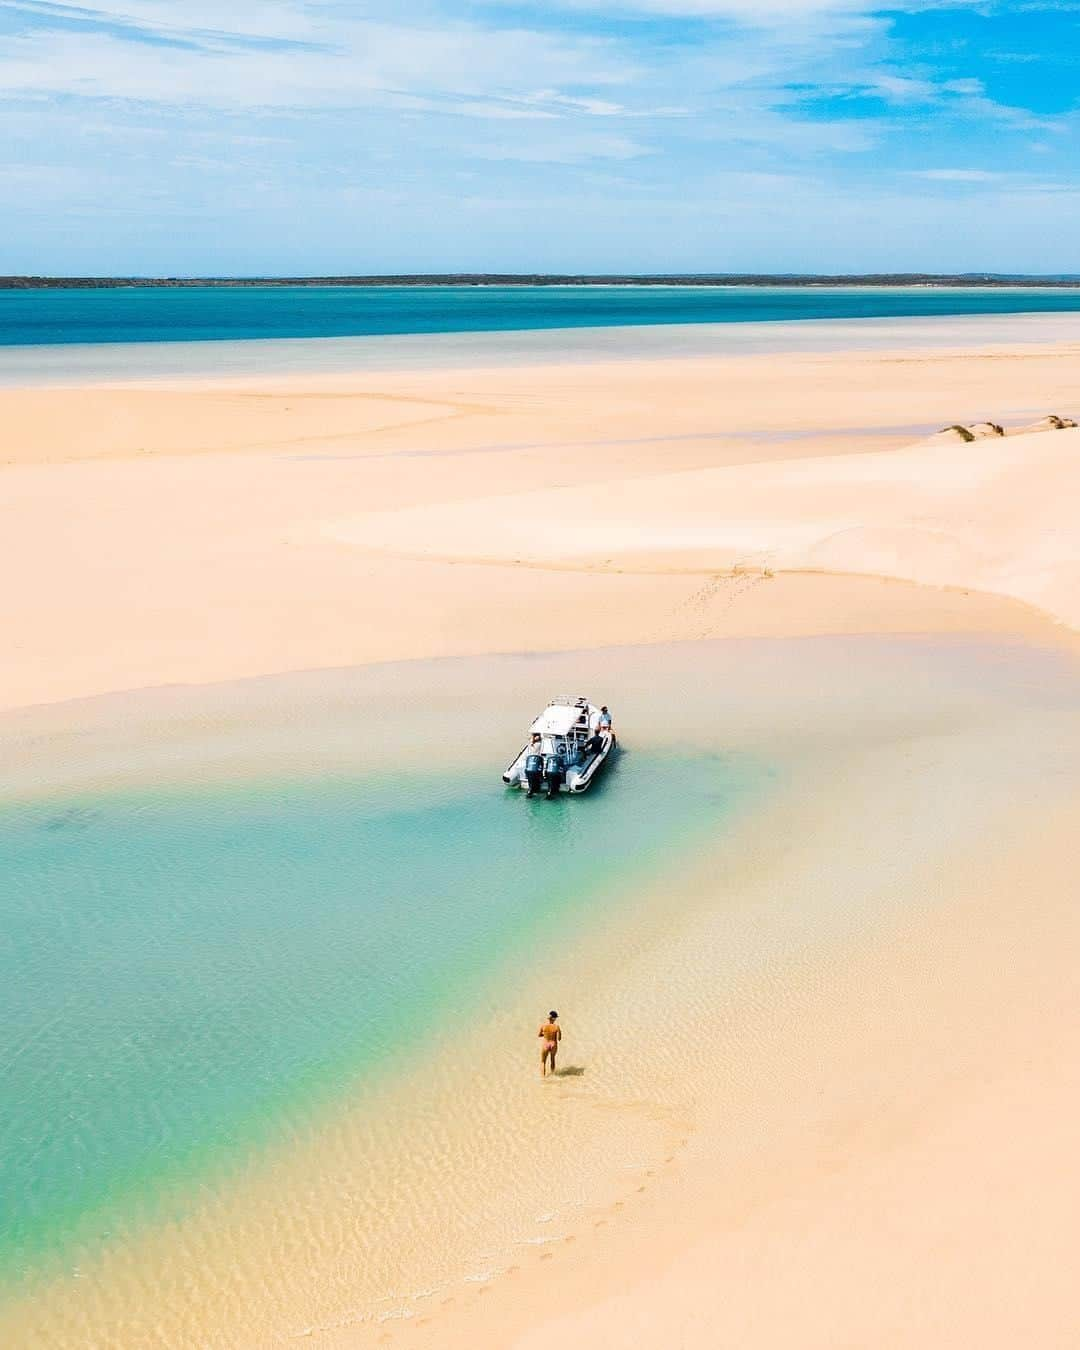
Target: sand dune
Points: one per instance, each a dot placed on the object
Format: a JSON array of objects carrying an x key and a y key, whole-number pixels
[
  {"x": 211, "y": 530},
  {"x": 995, "y": 515}
]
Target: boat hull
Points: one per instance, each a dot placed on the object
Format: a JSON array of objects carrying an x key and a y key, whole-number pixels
[{"x": 576, "y": 780}]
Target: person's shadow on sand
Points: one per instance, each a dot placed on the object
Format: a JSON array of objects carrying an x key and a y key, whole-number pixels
[{"x": 571, "y": 1071}]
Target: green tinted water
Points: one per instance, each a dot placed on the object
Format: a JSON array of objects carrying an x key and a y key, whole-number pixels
[{"x": 186, "y": 976}]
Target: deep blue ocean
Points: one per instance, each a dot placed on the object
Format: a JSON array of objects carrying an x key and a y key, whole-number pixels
[{"x": 202, "y": 314}]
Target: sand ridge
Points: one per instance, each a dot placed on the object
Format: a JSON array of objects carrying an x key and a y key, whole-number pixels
[
  {"x": 990, "y": 515},
  {"x": 205, "y": 530}
]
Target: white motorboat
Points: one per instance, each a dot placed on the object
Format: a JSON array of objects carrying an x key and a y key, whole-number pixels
[{"x": 566, "y": 750}]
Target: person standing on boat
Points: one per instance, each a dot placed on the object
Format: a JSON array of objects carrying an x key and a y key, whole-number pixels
[
  {"x": 604, "y": 720},
  {"x": 550, "y": 1034}
]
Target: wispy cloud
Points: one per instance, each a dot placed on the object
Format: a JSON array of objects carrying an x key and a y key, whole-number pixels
[
  {"x": 957, "y": 175},
  {"x": 368, "y": 109},
  {"x": 255, "y": 55},
  {"x": 575, "y": 148},
  {"x": 165, "y": 22}
]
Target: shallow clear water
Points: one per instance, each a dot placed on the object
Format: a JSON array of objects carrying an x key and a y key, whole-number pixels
[
  {"x": 188, "y": 974},
  {"x": 197, "y": 314},
  {"x": 268, "y": 1037}
]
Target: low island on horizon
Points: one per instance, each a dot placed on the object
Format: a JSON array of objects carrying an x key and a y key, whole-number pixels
[{"x": 420, "y": 279}]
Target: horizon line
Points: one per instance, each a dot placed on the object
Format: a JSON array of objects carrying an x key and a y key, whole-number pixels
[{"x": 32, "y": 281}]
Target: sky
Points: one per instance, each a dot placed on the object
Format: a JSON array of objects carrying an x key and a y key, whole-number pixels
[{"x": 273, "y": 137}]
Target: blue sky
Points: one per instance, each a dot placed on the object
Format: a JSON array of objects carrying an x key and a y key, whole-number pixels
[{"x": 272, "y": 136}]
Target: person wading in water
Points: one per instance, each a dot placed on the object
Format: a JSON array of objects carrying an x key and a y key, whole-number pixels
[{"x": 551, "y": 1034}]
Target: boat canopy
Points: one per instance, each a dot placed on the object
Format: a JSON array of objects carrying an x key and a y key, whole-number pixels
[{"x": 561, "y": 717}]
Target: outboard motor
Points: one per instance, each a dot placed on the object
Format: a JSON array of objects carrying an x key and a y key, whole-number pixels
[
  {"x": 534, "y": 773},
  {"x": 554, "y": 773}
]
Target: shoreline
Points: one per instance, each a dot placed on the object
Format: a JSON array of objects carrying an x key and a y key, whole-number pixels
[
  {"x": 830, "y": 606},
  {"x": 119, "y": 728},
  {"x": 216, "y": 360}
]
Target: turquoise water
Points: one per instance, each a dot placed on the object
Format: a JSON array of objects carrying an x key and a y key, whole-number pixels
[
  {"x": 189, "y": 975},
  {"x": 153, "y": 314}
]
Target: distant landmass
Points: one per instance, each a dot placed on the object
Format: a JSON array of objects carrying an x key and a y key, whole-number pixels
[{"x": 547, "y": 279}]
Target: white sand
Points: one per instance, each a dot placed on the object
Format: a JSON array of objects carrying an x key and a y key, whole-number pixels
[
  {"x": 201, "y": 531},
  {"x": 995, "y": 515}
]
